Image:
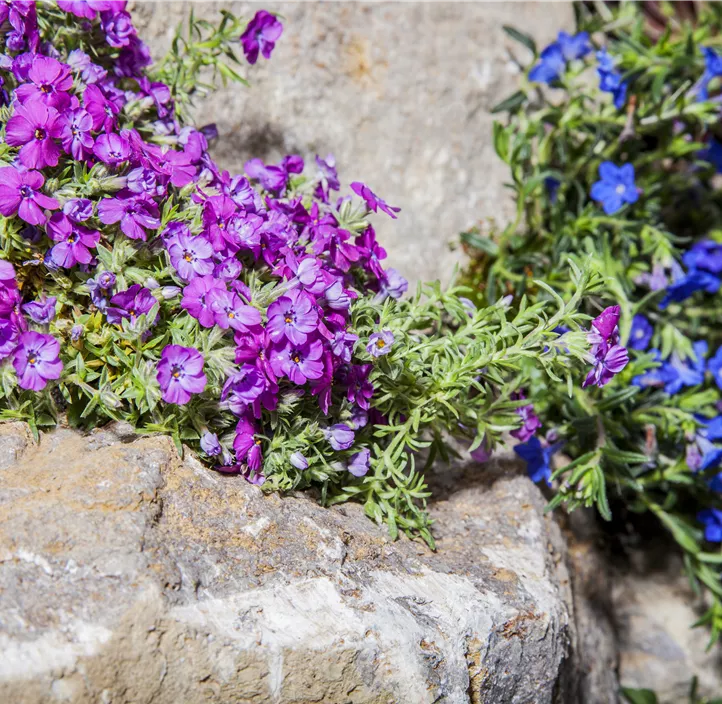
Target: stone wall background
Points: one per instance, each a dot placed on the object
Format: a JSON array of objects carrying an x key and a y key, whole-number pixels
[{"x": 399, "y": 92}]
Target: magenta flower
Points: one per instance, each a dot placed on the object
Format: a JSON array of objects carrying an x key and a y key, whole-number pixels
[
  {"x": 49, "y": 81},
  {"x": 112, "y": 148},
  {"x": 380, "y": 343},
  {"x": 292, "y": 316},
  {"x": 20, "y": 194},
  {"x": 197, "y": 301},
  {"x": 8, "y": 338},
  {"x": 608, "y": 362},
  {"x": 33, "y": 128},
  {"x": 88, "y": 8},
  {"x": 133, "y": 214},
  {"x": 180, "y": 374},
  {"x": 190, "y": 255},
  {"x": 118, "y": 28},
  {"x": 342, "y": 345},
  {"x": 130, "y": 304},
  {"x": 272, "y": 178},
  {"x": 75, "y": 135},
  {"x": 605, "y": 327},
  {"x": 37, "y": 360},
  {"x": 246, "y": 445},
  {"x": 242, "y": 388},
  {"x": 530, "y": 420},
  {"x": 78, "y": 209},
  {"x": 261, "y": 34},
  {"x": 74, "y": 241},
  {"x": 372, "y": 200},
  {"x": 102, "y": 110},
  {"x": 230, "y": 311},
  {"x": 300, "y": 363}
]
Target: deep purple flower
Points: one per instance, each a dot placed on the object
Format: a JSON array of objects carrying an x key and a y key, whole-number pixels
[
  {"x": 180, "y": 374},
  {"x": 48, "y": 82},
  {"x": 197, "y": 301},
  {"x": 190, "y": 255},
  {"x": 339, "y": 436},
  {"x": 41, "y": 312},
  {"x": 230, "y": 311},
  {"x": 261, "y": 34},
  {"x": 272, "y": 178},
  {"x": 130, "y": 304},
  {"x": 112, "y": 148},
  {"x": 20, "y": 193},
  {"x": 74, "y": 241},
  {"x": 246, "y": 445},
  {"x": 372, "y": 200},
  {"x": 78, "y": 209},
  {"x": 359, "y": 463},
  {"x": 608, "y": 362},
  {"x": 292, "y": 316},
  {"x": 641, "y": 333},
  {"x": 299, "y": 363},
  {"x": 298, "y": 461},
  {"x": 144, "y": 181},
  {"x": 33, "y": 128},
  {"x": 342, "y": 345},
  {"x": 37, "y": 360},
  {"x": 242, "y": 388},
  {"x": 9, "y": 332},
  {"x": 102, "y": 110},
  {"x": 210, "y": 445},
  {"x": 615, "y": 187},
  {"x": 89, "y": 8},
  {"x": 711, "y": 518},
  {"x": 118, "y": 27},
  {"x": 380, "y": 343},
  {"x": 133, "y": 214},
  {"x": 530, "y": 420},
  {"x": 605, "y": 327}
]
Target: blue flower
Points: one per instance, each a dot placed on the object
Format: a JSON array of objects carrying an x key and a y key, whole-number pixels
[
  {"x": 716, "y": 483},
  {"x": 574, "y": 47},
  {"x": 537, "y": 458},
  {"x": 705, "y": 255},
  {"x": 712, "y": 520},
  {"x": 615, "y": 187},
  {"x": 552, "y": 185},
  {"x": 610, "y": 80},
  {"x": 550, "y": 66},
  {"x": 713, "y": 154},
  {"x": 677, "y": 373},
  {"x": 715, "y": 366},
  {"x": 712, "y": 69},
  {"x": 641, "y": 333},
  {"x": 691, "y": 282},
  {"x": 713, "y": 429}
]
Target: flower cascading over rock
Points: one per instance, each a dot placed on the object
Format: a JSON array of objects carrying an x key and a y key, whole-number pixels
[{"x": 249, "y": 316}]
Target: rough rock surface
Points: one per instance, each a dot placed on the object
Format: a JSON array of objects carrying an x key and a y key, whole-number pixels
[
  {"x": 400, "y": 93},
  {"x": 128, "y": 575}
]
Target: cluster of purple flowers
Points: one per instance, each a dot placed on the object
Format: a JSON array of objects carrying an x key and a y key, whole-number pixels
[{"x": 74, "y": 113}]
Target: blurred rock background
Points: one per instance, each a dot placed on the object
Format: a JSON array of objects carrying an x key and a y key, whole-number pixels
[{"x": 400, "y": 93}]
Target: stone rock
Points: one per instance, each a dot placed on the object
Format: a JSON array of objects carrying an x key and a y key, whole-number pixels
[
  {"x": 400, "y": 93},
  {"x": 128, "y": 575}
]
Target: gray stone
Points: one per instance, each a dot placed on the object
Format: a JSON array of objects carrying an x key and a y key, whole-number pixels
[
  {"x": 400, "y": 93},
  {"x": 129, "y": 575}
]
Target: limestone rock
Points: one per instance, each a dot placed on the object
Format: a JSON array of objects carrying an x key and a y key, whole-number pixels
[
  {"x": 129, "y": 575},
  {"x": 400, "y": 93}
]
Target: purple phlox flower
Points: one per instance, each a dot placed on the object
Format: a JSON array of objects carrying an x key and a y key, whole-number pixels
[
  {"x": 359, "y": 389},
  {"x": 81, "y": 63},
  {"x": 537, "y": 458},
  {"x": 328, "y": 180},
  {"x": 102, "y": 110},
  {"x": 240, "y": 191},
  {"x": 23, "y": 20},
  {"x": 118, "y": 28},
  {"x": 550, "y": 66},
  {"x": 394, "y": 285},
  {"x": 190, "y": 255},
  {"x": 133, "y": 214},
  {"x": 37, "y": 360},
  {"x": 217, "y": 214},
  {"x": 299, "y": 362},
  {"x": 705, "y": 255},
  {"x": 130, "y": 304},
  {"x": 610, "y": 80},
  {"x": 373, "y": 202},
  {"x": 242, "y": 388},
  {"x": 641, "y": 333},
  {"x": 339, "y": 436},
  {"x": 89, "y": 8},
  {"x": 231, "y": 311},
  {"x": 78, "y": 209},
  {"x": 210, "y": 445},
  {"x": 677, "y": 373},
  {"x": 74, "y": 241},
  {"x": 608, "y": 361},
  {"x": 530, "y": 420},
  {"x": 685, "y": 285},
  {"x": 246, "y": 445},
  {"x": 7, "y": 273},
  {"x": 298, "y": 461},
  {"x": 372, "y": 252},
  {"x": 48, "y": 82},
  {"x": 42, "y": 311},
  {"x": 261, "y": 35},
  {"x": 309, "y": 272},
  {"x": 33, "y": 128},
  {"x": 336, "y": 296},
  {"x": 180, "y": 374},
  {"x": 229, "y": 269},
  {"x": 342, "y": 345},
  {"x": 272, "y": 178},
  {"x": 615, "y": 187},
  {"x": 9, "y": 332},
  {"x": 197, "y": 301},
  {"x": 20, "y": 194},
  {"x": 76, "y": 332},
  {"x": 144, "y": 181},
  {"x": 380, "y": 343},
  {"x": 175, "y": 165},
  {"x": 359, "y": 463},
  {"x": 112, "y": 148},
  {"x": 334, "y": 240},
  {"x": 292, "y": 316},
  {"x": 711, "y": 518},
  {"x": 712, "y": 69}
]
